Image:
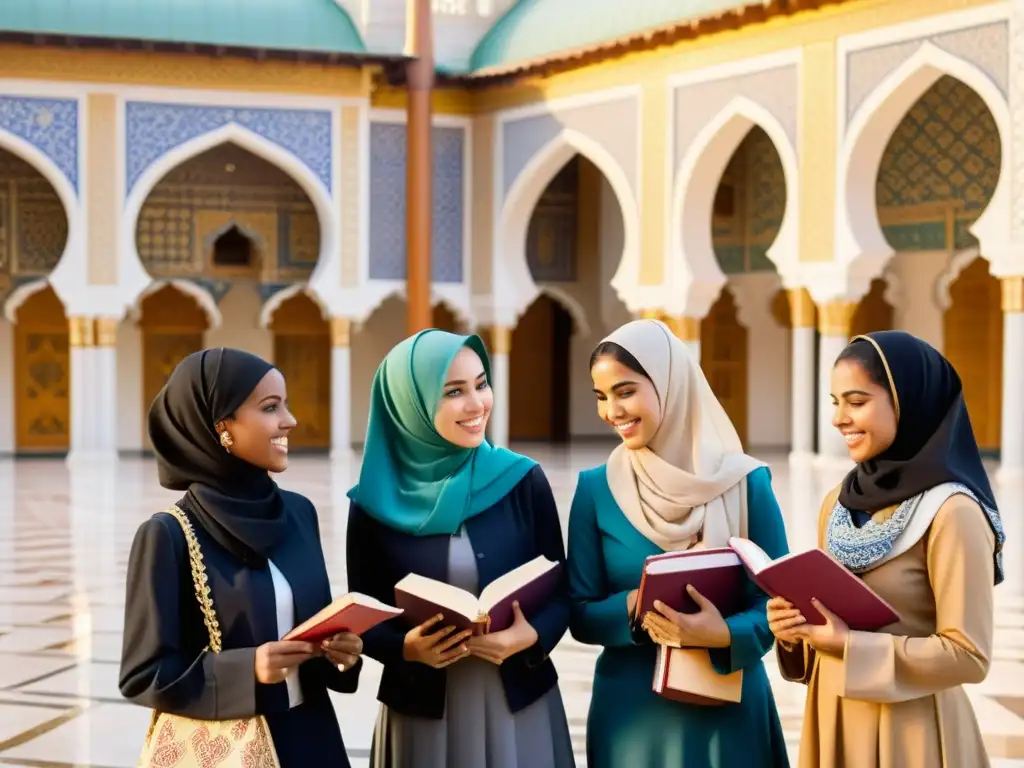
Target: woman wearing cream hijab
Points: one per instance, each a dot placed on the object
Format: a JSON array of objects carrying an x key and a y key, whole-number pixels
[{"x": 679, "y": 480}]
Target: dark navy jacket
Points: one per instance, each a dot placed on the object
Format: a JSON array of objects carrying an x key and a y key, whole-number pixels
[{"x": 514, "y": 531}]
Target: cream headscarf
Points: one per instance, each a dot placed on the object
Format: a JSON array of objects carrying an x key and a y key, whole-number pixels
[{"x": 684, "y": 486}]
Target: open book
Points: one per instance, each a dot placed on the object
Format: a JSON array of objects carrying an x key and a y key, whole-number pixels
[
  {"x": 353, "y": 612},
  {"x": 686, "y": 675},
  {"x": 716, "y": 573},
  {"x": 801, "y": 576},
  {"x": 531, "y": 584}
]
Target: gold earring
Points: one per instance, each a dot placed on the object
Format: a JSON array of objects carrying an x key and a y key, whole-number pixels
[{"x": 226, "y": 441}]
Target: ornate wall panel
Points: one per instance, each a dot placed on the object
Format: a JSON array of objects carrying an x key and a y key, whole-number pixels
[
  {"x": 986, "y": 46},
  {"x": 614, "y": 125},
  {"x": 50, "y": 125},
  {"x": 42, "y": 375},
  {"x": 939, "y": 170},
  {"x": 749, "y": 206},
  {"x": 154, "y": 129},
  {"x": 551, "y": 239},
  {"x": 387, "y": 203},
  {"x": 696, "y": 104}
]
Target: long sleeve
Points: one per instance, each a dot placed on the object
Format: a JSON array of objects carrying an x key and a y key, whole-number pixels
[
  {"x": 597, "y": 615},
  {"x": 552, "y": 620},
  {"x": 750, "y": 636},
  {"x": 885, "y": 668},
  {"x": 386, "y": 641},
  {"x": 157, "y": 669}
]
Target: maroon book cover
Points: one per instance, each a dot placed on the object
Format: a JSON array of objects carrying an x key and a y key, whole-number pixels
[
  {"x": 802, "y": 576},
  {"x": 718, "y": 574}
]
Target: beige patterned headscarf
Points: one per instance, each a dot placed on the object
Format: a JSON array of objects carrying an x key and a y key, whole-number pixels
[{"x": 685, "y": 485}]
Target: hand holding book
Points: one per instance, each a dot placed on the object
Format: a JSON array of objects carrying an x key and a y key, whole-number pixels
[
  {"x": 829, "y": 637},
  {"x": 704, "y": 629},
  {"x": 495, "y": 647},
  {"x": 437, "y": 648}
]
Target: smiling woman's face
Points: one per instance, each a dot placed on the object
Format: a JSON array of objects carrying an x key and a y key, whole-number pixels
[
  {"x": 466, "y": 401},
  {"x": 864, "y": 413},
  {"x": 260, "y": 427},
  {"x": 626, "y": 401}
]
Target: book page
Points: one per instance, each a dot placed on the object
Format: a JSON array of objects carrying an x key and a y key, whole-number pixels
[
  {"x": 439, "y": 593},
  {"x": 692, "y": 562},
  {"x": 753, "y": 556},
  {"x": 514, "y": 580}
]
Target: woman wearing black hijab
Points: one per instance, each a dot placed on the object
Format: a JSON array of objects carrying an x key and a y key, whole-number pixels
[
  {"x": 917, "y": 521},
  {"x": 218, "y": 428}
]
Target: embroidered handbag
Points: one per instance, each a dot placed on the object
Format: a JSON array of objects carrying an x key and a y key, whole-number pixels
[{"x": 174, "y": 740}]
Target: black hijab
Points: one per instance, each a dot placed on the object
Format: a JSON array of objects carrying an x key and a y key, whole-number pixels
[
  {"x": 237, "y": 503},
  {"x": 934, "y": 441}
]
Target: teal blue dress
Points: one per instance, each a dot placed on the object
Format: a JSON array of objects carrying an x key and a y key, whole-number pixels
[{"x": 630, "y": 726}]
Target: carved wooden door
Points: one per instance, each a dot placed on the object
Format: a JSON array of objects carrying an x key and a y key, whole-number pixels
[
  {"x": 161, "y": 353},
  {"x": 42, "y": 376},
  {"x": 723, "y": 357},
  {"x": 873, "y": 312},
  {"x": 973, "y": 338},
  {"x": 305, "y": 361},
  {"x": 533, "y": 374}
]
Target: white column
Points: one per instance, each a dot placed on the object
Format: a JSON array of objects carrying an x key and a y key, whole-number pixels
[
  {"x": 7, "y": 393},
  {"x": 341, "y": 388},
  {"x": 105, "y": 353},
  {"x": 83, "y": 387},
  {"x": 834, "y": 327},
  {"x": 803, "y": 379},
  {"x": 1011, "y": 467},
  {"x": 501, "y": 344}
]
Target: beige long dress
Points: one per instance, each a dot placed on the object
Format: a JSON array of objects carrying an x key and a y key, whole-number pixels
[{"x": 895, "y": 700}]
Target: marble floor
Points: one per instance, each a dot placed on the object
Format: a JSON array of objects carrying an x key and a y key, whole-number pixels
[{"x": 64, "y": 539}]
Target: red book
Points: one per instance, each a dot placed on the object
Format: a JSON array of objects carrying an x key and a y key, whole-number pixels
[
  {"x": 716, "y": 573},
  {"x": 532, "y": 584},
  {"x": 686, "y": 675},
  {"x": 801, "y": 576},
  {"x": 353, "y": 612}
]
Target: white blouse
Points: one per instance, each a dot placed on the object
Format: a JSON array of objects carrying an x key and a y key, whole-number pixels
[{"x": 285, "y": 623}]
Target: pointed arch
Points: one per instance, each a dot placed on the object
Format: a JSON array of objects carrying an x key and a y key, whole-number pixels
[
  {"x": 691, "y": 249},
  {"x": 68, "y": 275},
  {"x": 272, "y": 304},
  {"x": 201, "y": 296},
  {"x": 257, "y": 145},
  {"x": 580, "y": 326},
  {"x": 859, "y": 237},
  {"x": 510, "y": 268},
  {"x": 23, "y": 293}
]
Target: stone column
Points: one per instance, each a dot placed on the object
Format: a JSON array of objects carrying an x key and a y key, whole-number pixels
[
  {"x": 802, "y": 407},
  {"x": 105, "y": 355},
  {"x": 687, "y": 329},
  {"x": 8, "y": 395},
  {"x": 82, "y": 340},
  {"x": 501, "y": 346},
  {"x": 834, "y": 320},
  {"x": 341, "y": 387},
  {"x": 1011, "y": 467}
]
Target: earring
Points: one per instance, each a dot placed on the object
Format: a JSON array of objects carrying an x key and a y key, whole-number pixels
[{"x": 226, "y": 441}]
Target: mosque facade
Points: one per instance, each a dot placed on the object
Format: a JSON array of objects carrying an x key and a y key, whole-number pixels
[{"x": 768, "y": 178}]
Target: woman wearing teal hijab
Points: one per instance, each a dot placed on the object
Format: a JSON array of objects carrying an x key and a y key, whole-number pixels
[{"x": 436, "y": 499}]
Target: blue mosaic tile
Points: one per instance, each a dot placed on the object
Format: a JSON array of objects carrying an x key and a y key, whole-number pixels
[
  {"x": 153, "y": 129},
  {"x": 50, "y": 125}
]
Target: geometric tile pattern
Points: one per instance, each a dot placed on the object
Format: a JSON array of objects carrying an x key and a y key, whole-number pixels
[
  {"x": 387, "y": 202},
  {"x": 50, "y": 125},
  {"x": 64, "y": 539},
  {"x": 153, "y": 129},
  {"x": 943, "y": 159}
]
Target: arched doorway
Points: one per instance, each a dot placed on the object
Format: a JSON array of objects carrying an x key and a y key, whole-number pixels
[
  {"x": 173, "y": 326},
  {"x": 302, "y": 352},
  {"x": 42, "y": 375},
  {"x": 539, "y": 373},
  {"x": 445, "y": 320},
  {"x": 723, "y": 356},
  {"x": 973, "y": 340},
  {"x": 873, "y": 312},
  {"x": 937, "y": 175}
]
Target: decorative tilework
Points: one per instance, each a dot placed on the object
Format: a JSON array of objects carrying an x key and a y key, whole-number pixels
[
  {"x": 387, "y": 203},
  {"x": 941, "y": 162},
  {"x": 267, "y": 290},
  {"x": 153, "y": 129},
  {"x": 50, "y": 125},
  {"x": 754, "y": 183},
  {"x": 218, "y": 289}
]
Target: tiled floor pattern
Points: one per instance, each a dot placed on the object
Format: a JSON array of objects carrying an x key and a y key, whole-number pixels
[{"x": 64, "y": 539}]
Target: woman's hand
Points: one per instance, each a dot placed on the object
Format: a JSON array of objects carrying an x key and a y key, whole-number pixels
[
  {"x": 343, "y": 650},
  {"x": 275, "y": 660},
  {"x": 438, "y": 649},
  {"x": 783, "y": 620},
  {"x": 829, "y": 637},
  {"x": 706, "y": 629},
  {"x": 498, "y": 646}
]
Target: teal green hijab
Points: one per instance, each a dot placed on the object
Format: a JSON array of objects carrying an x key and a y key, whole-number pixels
[{"x": 412, "y": 479}]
